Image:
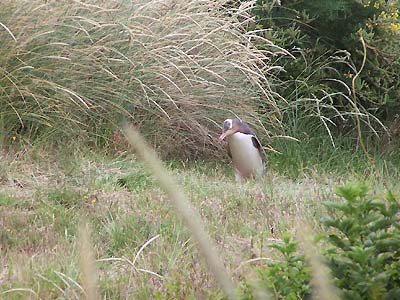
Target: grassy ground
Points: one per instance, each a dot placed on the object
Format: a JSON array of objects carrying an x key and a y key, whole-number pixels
[{"x": 44, "y": 197}]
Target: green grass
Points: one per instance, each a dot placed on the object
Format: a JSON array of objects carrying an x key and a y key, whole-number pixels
[
  {"x": 43, "y": 197},
  {"x": 176, "y": 72},
  {"x": 314, "y": 154}
]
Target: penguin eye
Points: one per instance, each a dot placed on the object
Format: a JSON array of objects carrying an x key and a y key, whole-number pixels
[{"x": 227, "y": 125}]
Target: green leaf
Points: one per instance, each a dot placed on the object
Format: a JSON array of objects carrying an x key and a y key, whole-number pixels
[
  {"x": 344, "y": 207},
  {"x": 339, "y": 242},
  {"x": 352, "y": 191}
]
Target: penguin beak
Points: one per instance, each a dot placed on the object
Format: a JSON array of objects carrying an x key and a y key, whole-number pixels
[{"x": 225, "y": 133}]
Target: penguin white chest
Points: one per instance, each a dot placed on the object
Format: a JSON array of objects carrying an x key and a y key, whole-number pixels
[{"x": 245, "y": 156}]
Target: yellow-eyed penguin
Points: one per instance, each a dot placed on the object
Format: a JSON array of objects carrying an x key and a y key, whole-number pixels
[{"x": 244, "y": 148}]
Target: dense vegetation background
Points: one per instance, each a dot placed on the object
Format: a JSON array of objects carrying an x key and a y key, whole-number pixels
[
  {"x": 176, "y": 70},
  {"x": 345, "y": 61},
  {"x": 319, "y": 82}
]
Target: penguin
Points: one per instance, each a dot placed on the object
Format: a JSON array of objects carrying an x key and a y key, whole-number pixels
[{"x": 244, "y": 148}]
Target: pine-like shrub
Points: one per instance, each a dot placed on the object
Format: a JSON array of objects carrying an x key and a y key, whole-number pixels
[
  {"x": 362, "y": 250},
  {"x": 364, "y": 244},
  {"x": 286, "y": 278}
]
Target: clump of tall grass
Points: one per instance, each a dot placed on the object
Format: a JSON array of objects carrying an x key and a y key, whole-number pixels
[{"x": 173, "y": 68}]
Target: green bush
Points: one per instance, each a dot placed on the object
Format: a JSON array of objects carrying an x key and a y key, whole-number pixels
[
  {"x": 288, "y": 278},
  {"x": 362, "y": 243},
  {"x": 364, "y": 239},
  {"x": 73, "y": 68},
  {"x": 323, "y": 40}
]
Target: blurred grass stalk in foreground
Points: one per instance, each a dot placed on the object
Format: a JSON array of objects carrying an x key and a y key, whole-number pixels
[
  {"x": 87, "y": 263},
  {"x": 184, "y": 209},
  {"x": 321, "y": 279}
]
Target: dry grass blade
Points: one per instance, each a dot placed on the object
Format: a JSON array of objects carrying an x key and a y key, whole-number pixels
[
  {"x": 89, "y": 273},
  {"x": 143, "y": 247},
  {"x": 322, "y": 284},
  {"x": 184, "y": 209},
  {"x": 132, "y": 263},
  {"x": 8, "y": 30},
  {"x": 66, "y": 280},
  {"x": 250, "y": 261},
  {"x": 353, "y": 84},
  {"x": 20, "y": 290},
  {"x": 52, "y": 283},
  {"x": 126, "y": 260}
]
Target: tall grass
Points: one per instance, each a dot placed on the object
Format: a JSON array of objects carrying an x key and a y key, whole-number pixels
[{"x": 176, "y": 69}]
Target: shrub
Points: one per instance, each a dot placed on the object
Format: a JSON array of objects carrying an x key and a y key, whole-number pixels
[
  {"x": 173, "y": 68},
  {"x": 323, "y": 38},
  {"x": 287, "y": 279},
  {"x": 362, "y": 252},
  {"x": 364, "y": 239}
]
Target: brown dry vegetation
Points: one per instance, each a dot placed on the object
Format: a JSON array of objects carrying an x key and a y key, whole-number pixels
[{"x": 176, "y": 69}]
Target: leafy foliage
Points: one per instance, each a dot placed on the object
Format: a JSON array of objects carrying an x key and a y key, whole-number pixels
[
  {"x": 362, "y": 251},
  {"x": 286, "y": 279},
  {"x": 323, "y": 40},
  {"x": 364, "y": 237}
]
